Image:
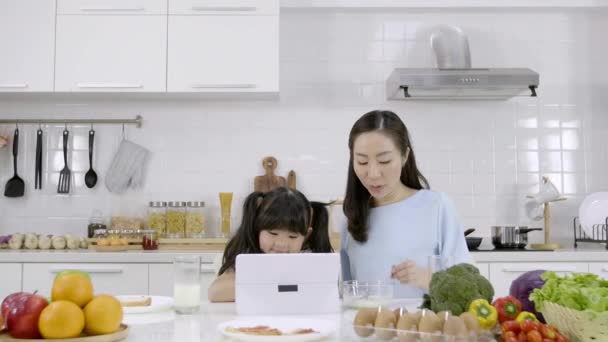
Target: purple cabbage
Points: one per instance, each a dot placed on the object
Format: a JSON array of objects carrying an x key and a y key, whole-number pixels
[
  {"x": 523, "y": 286},
  {"x": 4, "y": 239}
]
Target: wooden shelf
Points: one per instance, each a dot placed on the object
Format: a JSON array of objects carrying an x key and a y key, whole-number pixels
[{"x": 445, "y": 4}]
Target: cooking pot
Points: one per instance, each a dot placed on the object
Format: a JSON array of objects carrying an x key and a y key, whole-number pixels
[{"x": 511, "y": 237}]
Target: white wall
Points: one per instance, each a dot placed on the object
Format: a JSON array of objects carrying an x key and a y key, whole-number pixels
[{"x": 486, "y": 155}]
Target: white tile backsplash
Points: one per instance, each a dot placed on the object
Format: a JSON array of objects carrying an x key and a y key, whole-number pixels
[{"x": 486, "y": 155}]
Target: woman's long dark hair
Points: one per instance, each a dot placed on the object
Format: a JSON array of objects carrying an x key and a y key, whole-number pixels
[
  {"x": 357, "y": 199},
  {"x": 281, "y": 208}
]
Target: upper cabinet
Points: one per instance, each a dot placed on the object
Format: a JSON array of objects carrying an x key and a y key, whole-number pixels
[
  {"x": 223, "y": 53},
  {"x": 27, "y": 37},
  {"x": 149, "y": 46},
  {"x": 223, "y": 46},
  {"x": 109, "y": 45}
]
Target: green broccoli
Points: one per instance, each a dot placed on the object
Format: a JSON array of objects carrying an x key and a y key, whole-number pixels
[{"x": 455, "y": 288}]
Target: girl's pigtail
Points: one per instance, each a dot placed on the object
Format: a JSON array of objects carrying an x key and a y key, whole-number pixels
[
  {"x": 246, "y": 238},
  {"x": 318, "y": 241}
]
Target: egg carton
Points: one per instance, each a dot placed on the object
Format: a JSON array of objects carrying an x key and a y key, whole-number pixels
[{"x": 372, "y": 334}]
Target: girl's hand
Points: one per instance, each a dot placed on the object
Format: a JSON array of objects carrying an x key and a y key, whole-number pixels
[
  {"x": 3, "y": 141},
  {"x": 407, "y": 273}
]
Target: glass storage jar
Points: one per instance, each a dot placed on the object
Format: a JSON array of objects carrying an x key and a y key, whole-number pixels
[
  {"x": 176, "y": 220},
  {"x": 150, "y": 239},
  {"x": 195, "y": 219},
  {"x": 157, "y": 217},
  {"x": 95, "y": 222}
]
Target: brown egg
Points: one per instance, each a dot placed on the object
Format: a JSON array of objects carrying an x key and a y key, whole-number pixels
[
  {"x": 364, "y": 321},
  {"x": 385, "y": 320}
]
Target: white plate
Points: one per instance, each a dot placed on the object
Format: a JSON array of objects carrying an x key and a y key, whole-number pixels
[
  {"x": 285, "y": 324},
  {"x": 593, "y": 211},
  {"x": 159, "y": 303}
]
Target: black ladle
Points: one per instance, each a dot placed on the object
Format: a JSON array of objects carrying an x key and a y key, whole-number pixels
[
  {"x": 90, "y": 178},
  {"x": 469, "y": 231}
]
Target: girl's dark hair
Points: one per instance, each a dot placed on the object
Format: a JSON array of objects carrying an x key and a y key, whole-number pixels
[
  {"x": 357, "y": 199},
  {"x": 281, "y": 208}
]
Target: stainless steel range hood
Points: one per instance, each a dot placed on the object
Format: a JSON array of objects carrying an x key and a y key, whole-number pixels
[{"x": 466, "y": 83}]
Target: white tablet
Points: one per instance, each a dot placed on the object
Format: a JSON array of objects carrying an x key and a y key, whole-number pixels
[{"x": 302, "y": 283}]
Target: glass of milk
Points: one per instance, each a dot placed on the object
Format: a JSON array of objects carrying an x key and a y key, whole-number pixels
[{"x": 187, "y": 284}]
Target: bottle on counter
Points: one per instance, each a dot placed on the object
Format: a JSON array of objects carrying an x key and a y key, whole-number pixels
[
  {"x": 176, "y": 220},
  {"x": 150, "y": 240},
  {"x": 95, "y": 222},
  {"x": 195, "y": 219},
  {"x": 157, "y": 217}
]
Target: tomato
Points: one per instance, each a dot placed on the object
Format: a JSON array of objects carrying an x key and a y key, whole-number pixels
[
  {"x": 547, "y": 331},
  {"x": 560, "y": 338},
  {"x": 547, "y": 340},
  {"x": 511, "y": 326},
  {"x": 528, "y": 325},
  {"x": 510, "y": 339},
  {"x": 508, "y": 334},
  {"x": 534, "y": 336},
  {"x": 522, "y": 337}
]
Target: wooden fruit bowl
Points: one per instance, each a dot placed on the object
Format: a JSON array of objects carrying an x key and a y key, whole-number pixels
[{"x": 121, "y": 334}]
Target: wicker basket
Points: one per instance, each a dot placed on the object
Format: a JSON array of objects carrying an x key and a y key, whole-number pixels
[{"x": 585, "y": 326}]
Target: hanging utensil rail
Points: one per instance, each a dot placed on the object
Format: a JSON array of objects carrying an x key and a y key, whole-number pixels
[{"x": 137, "y": 121}]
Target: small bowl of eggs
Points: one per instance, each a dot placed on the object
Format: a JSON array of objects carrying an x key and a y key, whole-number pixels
[{"x": 366, "y": 294}]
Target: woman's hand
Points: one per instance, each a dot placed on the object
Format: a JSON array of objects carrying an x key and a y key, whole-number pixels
[{"x": 407, "y": 273}]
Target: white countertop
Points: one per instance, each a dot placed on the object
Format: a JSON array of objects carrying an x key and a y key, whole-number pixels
[
  {"x": 91, "y": 256},
  {"x": 582, "y": 254}
]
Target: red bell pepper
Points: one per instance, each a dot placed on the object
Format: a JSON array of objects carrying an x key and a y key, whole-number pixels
[{"x": 508, "y": 308}]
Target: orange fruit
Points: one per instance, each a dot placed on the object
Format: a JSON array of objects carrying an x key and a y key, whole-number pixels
[
  {"x": 61, "y": 319},
  {"x": 102, "y": 315},
  {"x": 73, "y": 286}
]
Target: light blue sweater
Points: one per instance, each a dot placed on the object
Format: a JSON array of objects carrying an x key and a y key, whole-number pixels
[{"x": 421, "y": 225}]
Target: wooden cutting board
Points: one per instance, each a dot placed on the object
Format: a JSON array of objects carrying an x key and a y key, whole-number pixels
[{"x": 268, "y": 181}]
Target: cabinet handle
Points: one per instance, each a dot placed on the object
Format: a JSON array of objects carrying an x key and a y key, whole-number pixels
[
  {"x": 224, "y": 9},
  {"x": 89, "y": 269},
  {"x": 208, "y": 269},
  {"x": 109, "y": 85},
  {"x": 14, "y": 85},
  {"x": 112, "y": 9},
  {"x": 222, "y": 86},
  {"x": 527, "y": 269}
]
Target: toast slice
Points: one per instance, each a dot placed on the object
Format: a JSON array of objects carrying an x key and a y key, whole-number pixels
[{"x": 131, "y": 301}]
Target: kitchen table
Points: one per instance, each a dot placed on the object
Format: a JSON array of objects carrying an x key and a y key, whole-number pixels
[{"x": 168, "y": 326}]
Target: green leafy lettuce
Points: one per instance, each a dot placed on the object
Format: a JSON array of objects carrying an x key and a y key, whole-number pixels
[{"x": 579, "y": 291}]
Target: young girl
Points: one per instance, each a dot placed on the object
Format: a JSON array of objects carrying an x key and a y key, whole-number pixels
[{"x": 279, "y": 221}]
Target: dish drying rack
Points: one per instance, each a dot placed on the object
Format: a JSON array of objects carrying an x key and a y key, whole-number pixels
[{"x": 598, "y": 233}]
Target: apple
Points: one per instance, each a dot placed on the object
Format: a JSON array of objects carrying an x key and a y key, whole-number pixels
[
  {"x": 10, "y": 301},
  {"x": 22, "y": 317}
]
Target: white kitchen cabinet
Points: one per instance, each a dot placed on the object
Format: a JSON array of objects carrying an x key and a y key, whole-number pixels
[
  {"x": 115, "y": 279},
  {"x": 94, "y": 7},
  {"x": 222, "y": 7},
  {"x": 484, "y": 269},
  {"x": 27, "y": 37},
  {"x": 223, "y": 53},
  {"x": 161, "y": 279},
  {"x": 11, "y": 281},
  {"x": 599, "y": 268},
  {"x": 111, "y": 53},
  {"x": 503, "y": 274}
]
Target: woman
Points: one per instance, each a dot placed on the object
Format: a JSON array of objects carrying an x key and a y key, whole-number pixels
[{"x": 394, "y": 222}]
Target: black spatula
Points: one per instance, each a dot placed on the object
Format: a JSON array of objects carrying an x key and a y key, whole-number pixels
[{"x": 15, "y": 187}]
